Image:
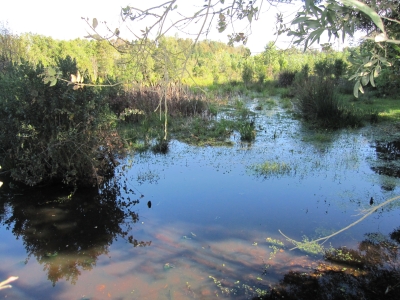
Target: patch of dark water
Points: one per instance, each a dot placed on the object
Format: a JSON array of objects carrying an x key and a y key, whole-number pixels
[{"x": 213, "y": 222}]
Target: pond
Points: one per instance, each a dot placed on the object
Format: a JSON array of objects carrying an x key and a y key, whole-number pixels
[{"x": 202, "y": 222}]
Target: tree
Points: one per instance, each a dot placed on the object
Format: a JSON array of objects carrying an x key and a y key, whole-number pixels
[{"x": 341, "y": 18}]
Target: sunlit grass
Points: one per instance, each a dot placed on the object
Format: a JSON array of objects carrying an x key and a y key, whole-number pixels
[{"x": 387, "y": 109}]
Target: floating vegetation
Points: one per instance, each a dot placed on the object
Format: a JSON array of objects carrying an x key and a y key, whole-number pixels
[
  {"x": 269, "y": 168},
  {"x": 310, "y": 247},
  {"x": 237, "y": 290},
  {"x": 274, "y": 242}
]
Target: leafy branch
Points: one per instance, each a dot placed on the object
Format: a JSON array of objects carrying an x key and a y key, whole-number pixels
[
  {"x": 51, "y": 75},
  {"x": 337, "y": 19}
]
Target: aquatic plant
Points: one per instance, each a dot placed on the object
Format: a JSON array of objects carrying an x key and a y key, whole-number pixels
[
  {"x": 269, "y": 168},
  {"x": 246, "y": 130}
]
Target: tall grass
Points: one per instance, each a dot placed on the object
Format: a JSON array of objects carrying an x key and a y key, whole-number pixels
[{"x": 317, "y": 100}]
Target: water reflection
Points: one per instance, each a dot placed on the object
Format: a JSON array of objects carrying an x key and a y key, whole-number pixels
[
  {"x": 388, "y": 154},
  {"x": 66, "y": 234},
  {"x": 370, "y": 272}
]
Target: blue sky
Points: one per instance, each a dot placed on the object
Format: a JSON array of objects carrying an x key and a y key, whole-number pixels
[{"x": 62, "y": 19}]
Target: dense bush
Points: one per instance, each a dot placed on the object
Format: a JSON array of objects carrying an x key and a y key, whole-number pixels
[
  {"x": 317, "y": 100},
  {"x": 53, "y": 132}
]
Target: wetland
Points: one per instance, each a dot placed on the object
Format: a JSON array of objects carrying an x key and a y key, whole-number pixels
[{"x": 207, "y": 220}]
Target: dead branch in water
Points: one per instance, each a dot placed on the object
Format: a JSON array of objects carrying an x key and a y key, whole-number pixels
[{"x": 367, "y": 212}]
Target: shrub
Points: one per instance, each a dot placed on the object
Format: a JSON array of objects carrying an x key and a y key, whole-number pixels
[
  {"x": 339, "y": 68},
  {"x": 54, "y": 132},
  {"x": 247, "y": 73},
  {"x": 317, "y": 100}
]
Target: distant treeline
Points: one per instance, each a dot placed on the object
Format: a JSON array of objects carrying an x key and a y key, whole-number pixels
[{"x": 171, "y": 58}]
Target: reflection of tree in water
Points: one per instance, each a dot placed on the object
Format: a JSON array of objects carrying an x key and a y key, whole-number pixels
[
  {"x": 389, "y": 154},
  {"x": 370, "y": 272},
  {"x": 68, "y": 234}
]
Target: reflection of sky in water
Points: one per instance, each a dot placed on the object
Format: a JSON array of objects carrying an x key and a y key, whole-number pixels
[{"x": 209, "y": 208}]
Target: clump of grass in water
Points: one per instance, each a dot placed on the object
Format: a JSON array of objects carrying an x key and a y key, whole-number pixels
[
  {"x": 271, "y": 168},
  {"x": 246, "y": 130}
]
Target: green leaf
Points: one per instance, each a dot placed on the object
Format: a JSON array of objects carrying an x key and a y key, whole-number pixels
[
  {"x": 53, "y": 82},
  {"x": 371, "y": 63},
  {"x": 314, "y": 24},
  {"x": 315, "y": 9},
  {"x": 353, "y": 76},
  {"x": 95, "y": 23},
  {"x": 377, "y": 70},
  {"x": 365, "y": 79},
  {"x": 366, "y": 10},
  {"x": 250, "y": 17},
  {"x": 361, "y": 89},
  {"x": 385, "y": 61},
  {"x": 315, "y": 35},
  {"x": 371, "y": 79},
  {"x": 393, "y": 41},
  {"x": 300, "y": 20},
  {"x": 355, "y": 89}
]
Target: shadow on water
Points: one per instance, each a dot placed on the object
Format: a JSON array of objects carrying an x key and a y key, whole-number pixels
[{"x": 67, "y": 233}]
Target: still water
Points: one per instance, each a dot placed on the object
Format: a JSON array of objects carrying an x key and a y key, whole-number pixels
[{"x": 199, "y": 222}]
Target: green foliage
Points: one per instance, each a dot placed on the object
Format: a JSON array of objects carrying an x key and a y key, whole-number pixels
[
  {"x": 247, "y": 73},
  {"x": 387, "y": 84},
  {"x": 344, "y": 17},
  {"x": 53, "y": 132}
]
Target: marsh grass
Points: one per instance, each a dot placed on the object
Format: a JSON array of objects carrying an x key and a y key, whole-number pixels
[
  {"x": 318, "y": 101},
  {"x": 181, "y": 101},
  {"x": 247, "y": 130},
  {"x": 269, "y": 168},
  {"x": 203, "y": 131}
]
